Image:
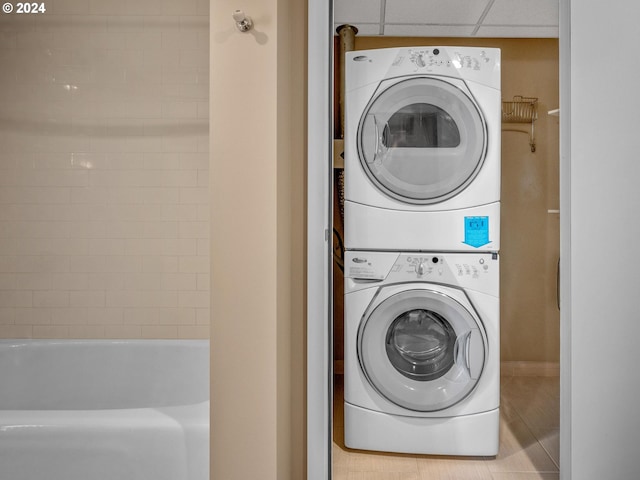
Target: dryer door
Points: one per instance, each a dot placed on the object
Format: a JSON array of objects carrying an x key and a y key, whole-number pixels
[
  {"x": 421, "y": 349},
  {"x": 422, "y": 140}
]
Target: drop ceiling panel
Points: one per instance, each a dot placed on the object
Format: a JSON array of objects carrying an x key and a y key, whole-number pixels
[
  {"x": 523, "y": 12},
  {"x": 356, "y": 11},
  {"x": 428, "y": 30},
  {"x": 517, "y": 32},
  {"x": 450, "y": 18},
  {"x": 434, "y": 11}
]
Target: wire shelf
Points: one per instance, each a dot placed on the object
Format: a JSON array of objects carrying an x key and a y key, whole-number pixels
[{"x": 521, "y": 110}]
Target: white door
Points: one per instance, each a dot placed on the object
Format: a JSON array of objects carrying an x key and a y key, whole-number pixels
[
  {"x": 422, "y": 140},
  {"x": 421, "y": 349}
]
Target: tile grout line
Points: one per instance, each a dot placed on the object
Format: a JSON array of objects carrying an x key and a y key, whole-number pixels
[{"x": 528, "y": 427}]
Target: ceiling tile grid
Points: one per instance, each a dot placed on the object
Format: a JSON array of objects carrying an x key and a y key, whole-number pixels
[
  {"x": 439, "y": 12},
  {"x": 450, "y": 18},
  {"x": 357, "y": 11},
  {"x": 392, "y": 30},
  {"x": 522, "y": 31},
  {"x": 523, "y": 12}
]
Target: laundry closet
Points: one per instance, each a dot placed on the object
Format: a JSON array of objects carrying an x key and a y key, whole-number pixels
[{"x": 529, "y": 214}]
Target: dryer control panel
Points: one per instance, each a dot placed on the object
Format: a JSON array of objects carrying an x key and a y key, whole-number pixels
[
  {"x": 473, "y": 63},
  {"x": 432, "y": 57},
  {"x": 477, "y": 271}
]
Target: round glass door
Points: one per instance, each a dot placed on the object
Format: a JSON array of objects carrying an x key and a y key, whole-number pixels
[
  {"x": 421, "y": 349},
  {"x": 422, "y": 140},
  {"x": 420, "y": 344}
]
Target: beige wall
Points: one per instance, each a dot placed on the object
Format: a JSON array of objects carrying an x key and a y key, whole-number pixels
[
  {"x": 530, "y": 187},
  {"x": 257, "y": 244},
  {"x": 104, "y": 216}
]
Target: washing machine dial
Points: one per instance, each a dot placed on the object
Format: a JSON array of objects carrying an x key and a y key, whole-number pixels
[
  {"x": 420, "y": 60},
  {"x": 420, "y": 268}
]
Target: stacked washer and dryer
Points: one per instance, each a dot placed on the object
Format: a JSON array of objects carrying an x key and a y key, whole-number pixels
[{"x": 422, "y": 236}]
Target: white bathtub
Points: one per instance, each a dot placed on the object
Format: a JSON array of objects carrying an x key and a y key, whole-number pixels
[{"x": 104, "y": 410}]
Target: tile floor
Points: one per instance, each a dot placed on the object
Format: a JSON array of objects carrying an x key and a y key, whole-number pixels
[{"x": 529, "y": 442}]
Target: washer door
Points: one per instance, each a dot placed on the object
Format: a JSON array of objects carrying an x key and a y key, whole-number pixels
[
  {"x": 421, "y": 349},
  {"x": 422, "y": 140}
]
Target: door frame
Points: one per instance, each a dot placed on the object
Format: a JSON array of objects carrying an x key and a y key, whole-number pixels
[
  {"x": 319, "y": 224},
  {"x": 319, "y": 257}
]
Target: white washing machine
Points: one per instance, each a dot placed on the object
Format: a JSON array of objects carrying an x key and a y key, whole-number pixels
[
  {"x": 421, "y": 360},
  {"x": 422, "y": 149}
]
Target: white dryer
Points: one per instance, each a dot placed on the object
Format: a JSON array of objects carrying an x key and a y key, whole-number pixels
[
  {"x": 422, "y": 149},
  {"x": 421, "y": 361}
]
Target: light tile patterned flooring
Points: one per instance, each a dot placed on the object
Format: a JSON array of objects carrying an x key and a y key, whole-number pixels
[{"x": 529, "y": 442}]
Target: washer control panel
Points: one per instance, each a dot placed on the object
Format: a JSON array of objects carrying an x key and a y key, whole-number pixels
[
  {"x": 437, "y": 265},
  {"x": 470, "y": 270}
]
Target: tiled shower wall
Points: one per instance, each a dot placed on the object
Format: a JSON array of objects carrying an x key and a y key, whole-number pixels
[{"x": 104, "y": 216}]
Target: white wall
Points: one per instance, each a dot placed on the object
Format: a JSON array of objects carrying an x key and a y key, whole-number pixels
[
  {"x": 257, "y": 244},
  {"x": 104, "y": 216},
  {"x": 604, "y": 200}
]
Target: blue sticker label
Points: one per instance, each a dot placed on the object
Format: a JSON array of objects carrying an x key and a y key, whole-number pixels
[{"x": 476, "y": 231}]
